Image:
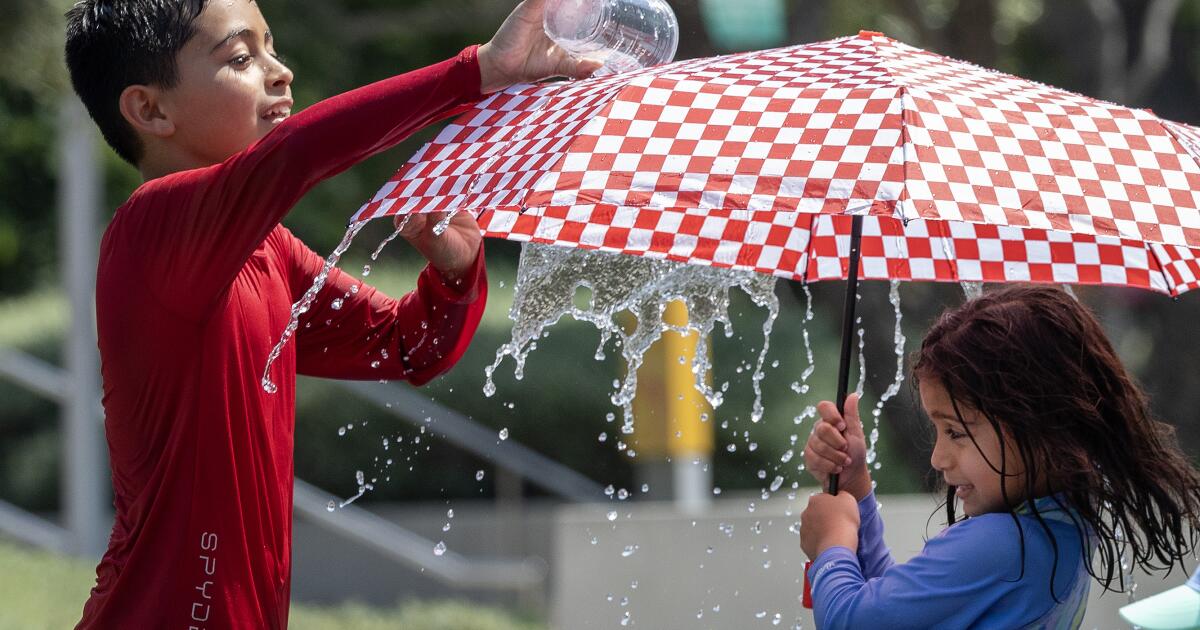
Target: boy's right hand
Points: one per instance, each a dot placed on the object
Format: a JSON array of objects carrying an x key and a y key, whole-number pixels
[
  {"x": 520, "y": 52},
  {"x": 838, "y": 446}
]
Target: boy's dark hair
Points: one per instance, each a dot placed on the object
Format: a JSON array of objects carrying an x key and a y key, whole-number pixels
[
  {"x": 1037, "y": 365},
  {"x": 113, "y": 44}
]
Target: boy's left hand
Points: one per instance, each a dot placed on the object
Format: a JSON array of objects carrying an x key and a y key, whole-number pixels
[
  {"x": 829, "y": 521},
  {"x": 451, "y": 253},
  {"x": 520, "y": 52}
]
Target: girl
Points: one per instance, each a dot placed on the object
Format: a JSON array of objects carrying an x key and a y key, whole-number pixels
[{"x": 1048, "y": 445}]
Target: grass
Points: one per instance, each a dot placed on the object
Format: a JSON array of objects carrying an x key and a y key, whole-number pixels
[{"x": 40, "y": 590}]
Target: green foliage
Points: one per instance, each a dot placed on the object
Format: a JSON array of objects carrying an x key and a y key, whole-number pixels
[{"x": 40, "y": 590}]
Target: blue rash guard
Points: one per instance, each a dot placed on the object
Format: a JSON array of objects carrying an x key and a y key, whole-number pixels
[{"x": 968, "y": 576}]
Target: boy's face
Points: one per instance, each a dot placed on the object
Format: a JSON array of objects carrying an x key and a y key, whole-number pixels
[
  {"x": 232, "y": 88},
  {"x": 970, "y": 461}
]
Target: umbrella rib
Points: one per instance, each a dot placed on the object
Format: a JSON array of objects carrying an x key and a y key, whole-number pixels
[{"x": 1161, "y": 262}]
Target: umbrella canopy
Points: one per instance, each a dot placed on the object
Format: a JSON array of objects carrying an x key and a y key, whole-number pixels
[{"x": 757, "y": 161}]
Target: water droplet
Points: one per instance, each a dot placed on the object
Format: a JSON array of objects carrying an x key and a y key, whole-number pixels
[
  {"x": 439, "y": 548},
  {"x": 612, "y": 515},
  {"x": 302, "y": 306},
  {"x": 366, "y": 270},
  {"x": 375, "y": 364},
  {"x": 504, "y": 433},
  {"x": 337, "y": 304},
  {"x": 603, "y": 437},
  {"x": 441, "y": 226},
  {"x": 622, "y": 494},
  {"x": 478, "y": 475},
  {"x": 609, "y": 490},
  {"x": 629, "y": 551},
  {"x": 331, "y": 506},
  {"x": 341, "y": 430},
  {"x": 776, "y": 483}
]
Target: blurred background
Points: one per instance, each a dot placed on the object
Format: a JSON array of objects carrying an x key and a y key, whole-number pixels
[{"x": 684, "y": 537}]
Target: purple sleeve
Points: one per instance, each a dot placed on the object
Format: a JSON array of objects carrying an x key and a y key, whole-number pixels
[
  {"x": 874, "y": 557},
  {"x": 968, "y": 576}
]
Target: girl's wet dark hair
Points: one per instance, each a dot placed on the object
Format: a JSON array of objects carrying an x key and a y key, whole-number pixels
[
  {"x": 113, "y": 44},
  {"x": 1037, "y": 364}
]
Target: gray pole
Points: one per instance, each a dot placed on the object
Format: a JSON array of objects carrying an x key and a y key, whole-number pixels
[{"x": 85, "y": 488}]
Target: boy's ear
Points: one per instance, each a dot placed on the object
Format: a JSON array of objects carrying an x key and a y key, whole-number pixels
[{"x": 141, "y": 107}]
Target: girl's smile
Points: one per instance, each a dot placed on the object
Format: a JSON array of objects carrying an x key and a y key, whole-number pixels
[{"x": 968, "y": 454}]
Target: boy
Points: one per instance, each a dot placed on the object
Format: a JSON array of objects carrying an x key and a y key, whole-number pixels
[{"x": 196, "y": 278}]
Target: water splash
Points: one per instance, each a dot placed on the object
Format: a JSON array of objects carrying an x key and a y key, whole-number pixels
[
  {"x": 305, "y": 302},
  {"x": 399, "y": 228},
  {"x": 771, "y": 302},
  {"x": 894, "y": 387},
  {"x": 972, "y": 289},
  {"x": 441, "y": 226},
  {"x": 862, "y": 357},
  {"x": 363, "y": 487},
  {"x": 801, "y": 387},
  {"x": 548, "y": 278}
]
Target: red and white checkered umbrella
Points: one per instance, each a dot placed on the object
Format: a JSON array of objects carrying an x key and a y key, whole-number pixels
[
  {"x": 804, "y": 161},
  {"x": 759, "y": 161}
]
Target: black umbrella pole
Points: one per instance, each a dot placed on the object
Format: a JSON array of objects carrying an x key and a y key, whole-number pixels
[{"x": 848, "y": 324}]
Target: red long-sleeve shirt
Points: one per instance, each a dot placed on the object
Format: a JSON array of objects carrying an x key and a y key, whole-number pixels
[{"x": 195, "y": 283}]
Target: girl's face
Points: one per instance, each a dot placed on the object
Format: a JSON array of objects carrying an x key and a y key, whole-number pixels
[{"x": 971, "y": 465}]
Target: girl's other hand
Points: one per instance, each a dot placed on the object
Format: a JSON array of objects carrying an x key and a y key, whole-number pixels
[
  {"x": 837, "y": 446},
  {"x": 829, "y": 521}
]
